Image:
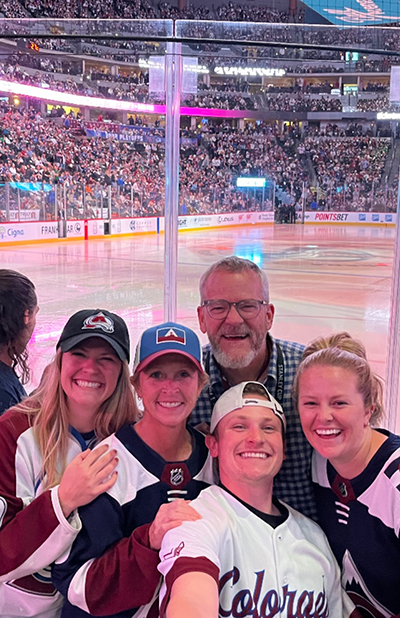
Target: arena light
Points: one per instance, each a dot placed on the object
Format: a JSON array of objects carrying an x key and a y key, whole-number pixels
[
  {"x": 388, "y": 116},
  {"x": 150, "y": 64},
  {"x": 246, "y": 181},
  {"x": 249, "y": 71},
  {"x": 197, "y": 69},
  {"x": 56, "y": 96}
]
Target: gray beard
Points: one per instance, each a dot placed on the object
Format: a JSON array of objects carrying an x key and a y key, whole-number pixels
[{"x": 225, "y": 360}]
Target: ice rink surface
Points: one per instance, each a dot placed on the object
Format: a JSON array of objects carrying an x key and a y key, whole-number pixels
[{"x": 323, "y": 279}]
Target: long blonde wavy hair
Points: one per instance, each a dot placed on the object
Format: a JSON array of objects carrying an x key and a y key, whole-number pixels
[{"x": 48, "y": 410}]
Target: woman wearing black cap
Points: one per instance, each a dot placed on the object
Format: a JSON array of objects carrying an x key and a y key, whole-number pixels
[
  {"x": 18, "y": 309},
  {"x": 46, "y": 468},
  {"x": 112, "y": 566}
]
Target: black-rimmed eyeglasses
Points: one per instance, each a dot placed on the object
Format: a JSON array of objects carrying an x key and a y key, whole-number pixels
[{"x": 247, "y": 309}]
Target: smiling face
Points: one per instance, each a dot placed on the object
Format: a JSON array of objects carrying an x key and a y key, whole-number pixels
[
  {"x": 333, "y": 415},
  {"x": 89, "y": 375},
  {"x": 168, "y": 387},
  {"x": 249, "y": 445},
  {"x": 235, "y": 342}
]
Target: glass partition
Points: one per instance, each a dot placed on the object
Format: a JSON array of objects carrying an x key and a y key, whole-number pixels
[{"x": 271, "y": 118}]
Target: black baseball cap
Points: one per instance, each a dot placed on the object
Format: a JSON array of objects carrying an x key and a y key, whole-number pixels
[{"x": 101, "y": 323}]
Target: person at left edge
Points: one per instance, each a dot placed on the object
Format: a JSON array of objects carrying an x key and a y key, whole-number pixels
[
  {"x": 111, "y": 569},
  {"x": 18, "y": 309},
  {"x": 46, "y": 468}
]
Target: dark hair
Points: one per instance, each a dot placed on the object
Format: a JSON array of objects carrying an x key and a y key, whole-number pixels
[{"x": 17, "y": 295}]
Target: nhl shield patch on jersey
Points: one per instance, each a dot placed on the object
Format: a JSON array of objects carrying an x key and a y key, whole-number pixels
[
  {"x": 177, "y": 335},
  {"x": 99, "y": 320}
]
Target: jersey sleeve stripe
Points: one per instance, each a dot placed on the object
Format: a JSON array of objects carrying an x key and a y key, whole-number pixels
[
  {"x": 187, "y": 565},
  {"x": 393, "y": 467}
]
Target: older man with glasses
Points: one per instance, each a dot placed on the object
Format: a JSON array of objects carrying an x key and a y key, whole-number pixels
[{"x": 237, "y": 316}]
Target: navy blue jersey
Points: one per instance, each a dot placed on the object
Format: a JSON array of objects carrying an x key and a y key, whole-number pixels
[
  {"x": 361, "y": 519},
  {"x": 11, "y": 389},
  {"x": 118, "y": 581}
]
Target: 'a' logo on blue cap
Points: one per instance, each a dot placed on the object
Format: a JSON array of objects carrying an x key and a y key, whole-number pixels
[{"x": 176, "y": 335}]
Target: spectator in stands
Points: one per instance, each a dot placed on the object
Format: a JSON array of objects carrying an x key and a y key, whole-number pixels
[{"x": 18, "y": 310}]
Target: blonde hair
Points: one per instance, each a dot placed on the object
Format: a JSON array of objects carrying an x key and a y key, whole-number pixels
[
  {"x": 48, "y": 411},
  {"x": 341, "y": 350}
]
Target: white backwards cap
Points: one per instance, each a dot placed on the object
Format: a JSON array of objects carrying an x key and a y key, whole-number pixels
[{"x": 234, "y": 399}]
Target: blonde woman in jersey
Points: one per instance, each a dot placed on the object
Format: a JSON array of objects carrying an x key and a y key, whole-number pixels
[
  {"x": 47, "y": 467},
  {"x": 355, "y": 469}
]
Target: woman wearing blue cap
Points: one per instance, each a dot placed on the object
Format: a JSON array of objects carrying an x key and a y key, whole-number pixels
[
  {"x": 47, "y": 469},
  {"x": 112, "y": 567}
]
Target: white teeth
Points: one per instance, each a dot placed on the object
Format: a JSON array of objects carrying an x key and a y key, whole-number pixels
[
  {"x": 328, "y": 432},
  {"x": 255, "y": 455},
  {"x": 84, "y": 384},
  {"x": 170, "y": 404}
]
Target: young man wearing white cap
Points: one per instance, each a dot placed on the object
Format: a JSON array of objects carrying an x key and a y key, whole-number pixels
[{"x": 249, "y": 555}]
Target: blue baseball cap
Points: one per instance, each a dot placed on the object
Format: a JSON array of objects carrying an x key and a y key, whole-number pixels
[{"x": 167, "y": 338}]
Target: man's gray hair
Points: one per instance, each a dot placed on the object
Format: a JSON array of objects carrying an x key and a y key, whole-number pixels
[{"x": 234, "y": 264}]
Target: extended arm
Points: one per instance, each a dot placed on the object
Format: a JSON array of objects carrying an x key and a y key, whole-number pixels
[{"x": 193, "y": 594}]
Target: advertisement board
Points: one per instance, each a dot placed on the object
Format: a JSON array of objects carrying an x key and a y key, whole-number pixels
[
  {"x": 197, "y": 222},
  {"x": 25, "y": 215},
  {"x": 138, "y": 225},
  {"x": 95, "y": 227},
  {"x": 76, "y": 229},
  {"x": 28, "y": 231},
  {"x": 31, "y": 231},
  {"x": 351, "y": 217}
]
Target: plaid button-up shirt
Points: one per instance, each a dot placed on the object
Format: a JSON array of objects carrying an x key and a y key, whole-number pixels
[{"x": 293, "y": 483}]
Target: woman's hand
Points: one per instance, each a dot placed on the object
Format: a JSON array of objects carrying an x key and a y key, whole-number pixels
[
  {"x": 170, "y": 516},
  {"x": 89, "y": 474}
]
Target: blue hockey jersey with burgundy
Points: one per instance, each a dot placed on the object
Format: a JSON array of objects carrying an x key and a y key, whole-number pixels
[
  {"x": 361, "y": 519},
  {"x": 110, "y": 571}
]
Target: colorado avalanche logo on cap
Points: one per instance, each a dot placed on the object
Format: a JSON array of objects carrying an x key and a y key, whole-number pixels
[
  {"x": 176, "y": 335},
  {"x": 100, "y": 321}
]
